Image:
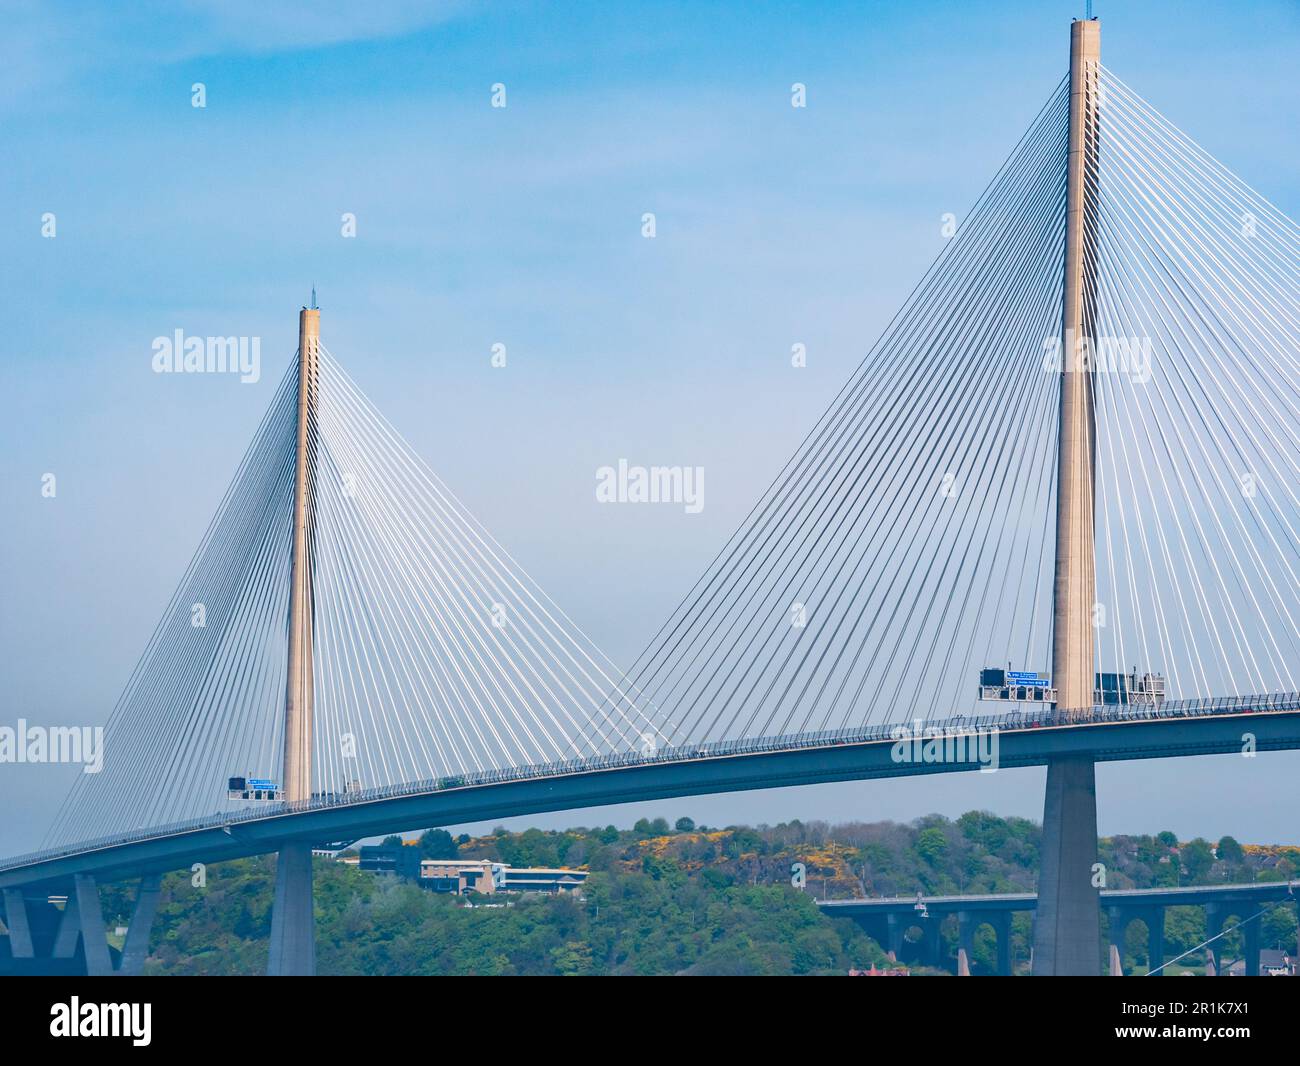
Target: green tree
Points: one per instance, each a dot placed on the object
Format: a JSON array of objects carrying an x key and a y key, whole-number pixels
[
  {"x": 1197, "y": 858},
  {"x": 932, "y": 845},
  {"x": 1230, "y": 851},
  {"x": 437, "y": 844},
  {"x": 573, "y": 959},
  {"x": 981, "y": 827}
]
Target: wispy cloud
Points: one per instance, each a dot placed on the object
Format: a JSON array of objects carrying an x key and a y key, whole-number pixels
[{"x": 54, "y": 44}]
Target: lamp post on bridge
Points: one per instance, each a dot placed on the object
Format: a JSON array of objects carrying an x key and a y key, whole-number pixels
[
  {"x": 1068, "y": 923},
  {"x": 293, "y": 940}
]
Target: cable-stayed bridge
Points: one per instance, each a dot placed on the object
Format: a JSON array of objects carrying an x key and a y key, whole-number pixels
[{"x": 1052, "y": 513}]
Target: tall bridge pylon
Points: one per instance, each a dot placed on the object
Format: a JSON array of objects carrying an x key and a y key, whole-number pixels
[
  {"x": 1067, "y": 926},
  {"x": 293, "y": 937}
]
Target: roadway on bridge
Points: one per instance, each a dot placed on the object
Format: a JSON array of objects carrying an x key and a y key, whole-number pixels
[{"x": 650, "y": 780}]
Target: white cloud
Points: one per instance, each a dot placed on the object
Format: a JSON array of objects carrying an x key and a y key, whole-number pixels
[{"x": 49, "y": 45}]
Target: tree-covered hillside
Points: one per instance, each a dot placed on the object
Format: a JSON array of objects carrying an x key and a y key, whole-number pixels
[{"x": 674, "y": 899}]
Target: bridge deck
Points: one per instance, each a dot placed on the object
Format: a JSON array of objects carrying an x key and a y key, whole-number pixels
[
  {"x": 1025, "y": 901},
  {"x": 1104, "y": 734}
]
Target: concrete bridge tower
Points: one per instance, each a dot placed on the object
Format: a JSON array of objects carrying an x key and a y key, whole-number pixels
[
  {"x": 293, "y": 943},
  {"x": 1068, "y": 924}
]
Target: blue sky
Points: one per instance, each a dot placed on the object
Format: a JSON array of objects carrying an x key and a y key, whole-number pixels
[{"x": 522, "y": 226}]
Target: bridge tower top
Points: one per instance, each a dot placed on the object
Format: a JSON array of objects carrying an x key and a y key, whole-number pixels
[
  {"x": 299, "y": 696},
  {"x": 1075, "y": 585}
]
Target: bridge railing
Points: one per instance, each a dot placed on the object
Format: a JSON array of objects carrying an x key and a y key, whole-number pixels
[{"x": 1011, "y": 721}]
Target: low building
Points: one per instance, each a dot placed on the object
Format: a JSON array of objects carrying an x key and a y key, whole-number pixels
[
  {"x": 1272, "y": 963},
  {"x": 542, "y": 879},
  {"x": 459, "y": 876},
  {"x": 1276, "y": 964},
  {"x": 484, "y": 876},
  {"x": 398, "y": 860}
]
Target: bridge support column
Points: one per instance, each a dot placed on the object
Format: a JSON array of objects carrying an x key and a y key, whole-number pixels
[
  {"x": 933, "y": 941},
  {"x": 136, "y": 947},
  {"x": 65, "y": 939},
  {"x": 20, "y": 930},
  {"x": 1156, "y": 941},
  {"x": 91, "y": 926},
  {"x": 1214, "y": 917},
  {"x": 293, "y": 922},
  {"x": 1002, "y": 930},
  {"x": 1250, "y": 934},
  {"x": 1117, "y": 920},
  {"x": 894, "y": 930},
  {"x": 1067, "y": 935},
  {"x": 966, "y": 923}
]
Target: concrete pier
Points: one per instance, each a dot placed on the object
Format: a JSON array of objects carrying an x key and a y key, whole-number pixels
[
  {"x": 966, "y": 924},
  {"x": 20, "y": 929},
  {"x": 94, "y": 939},
  {"x": 293, "y": 923},
  {"x": 1067, "y": 927},
  {"x": 136, "y": 946},
  {"x": 1118, "y": 919}
]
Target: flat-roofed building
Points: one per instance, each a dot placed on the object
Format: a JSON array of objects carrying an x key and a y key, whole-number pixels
[
  {"x": 542, "y": 879},
  {"x": 459, "y": 876}
]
